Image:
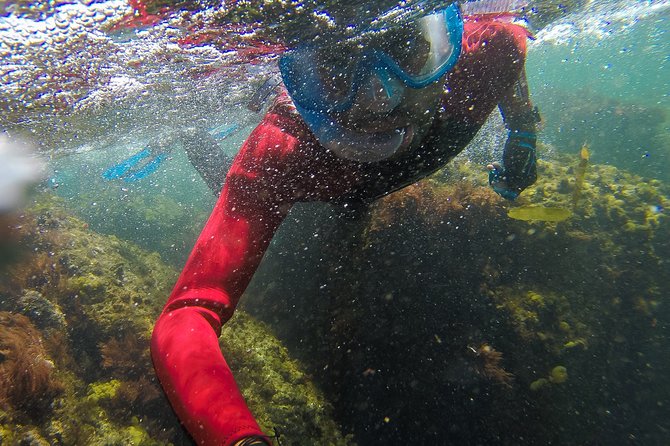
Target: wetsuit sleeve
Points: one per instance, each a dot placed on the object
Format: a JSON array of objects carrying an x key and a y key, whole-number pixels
[
  {"x": 517, "y": 109},
  {"x": 185, "y": 348},
  {"x": 521, "y": 118}
]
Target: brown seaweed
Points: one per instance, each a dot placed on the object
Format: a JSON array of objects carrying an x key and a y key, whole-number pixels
[{"x": 27, "y": 380}]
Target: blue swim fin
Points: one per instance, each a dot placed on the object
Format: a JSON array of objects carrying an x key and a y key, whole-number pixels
[
  {"x": 148, "y": 169},
  {"x": 124, "y": 166},
  {"x": 224, "y": 131}
]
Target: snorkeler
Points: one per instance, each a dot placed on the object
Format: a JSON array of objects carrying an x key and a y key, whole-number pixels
[{"x": 360, "y": 118}]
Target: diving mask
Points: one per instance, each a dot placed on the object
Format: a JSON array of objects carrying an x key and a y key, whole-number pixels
[{"x": 376, "y": 67}]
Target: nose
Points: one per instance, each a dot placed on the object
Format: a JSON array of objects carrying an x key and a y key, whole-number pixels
[{"x": 381, "y": 94}]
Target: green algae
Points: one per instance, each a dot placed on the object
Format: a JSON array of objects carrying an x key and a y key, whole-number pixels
[
  {"x": 558, "y": 375},
  {"x": 96, "y": 297},
  {"x": 103, "y": 390},
  {"x": 276, "y": 387},
  {"x": 436, "y": 269},
  {"x": 539, "y": 384}
]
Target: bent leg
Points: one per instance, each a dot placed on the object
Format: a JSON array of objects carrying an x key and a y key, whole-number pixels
[{"x": 204, "y": 153}]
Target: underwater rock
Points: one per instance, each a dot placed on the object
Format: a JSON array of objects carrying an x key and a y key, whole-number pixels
[
  {"x": 279, "y": 393},
  {"x": 94, "y": 300},
  {"x": 154, "y": 221},
  {"x": 433, "y": 269},
  {"x": 397, "y": 298},
  {"x": 44, "y": 313}
]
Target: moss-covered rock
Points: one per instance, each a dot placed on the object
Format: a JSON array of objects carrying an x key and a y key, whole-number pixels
[
  {"x": 276, "y": 387},
  {"x": 93, "y": 299},
  {"x": 411, "y": 292}
]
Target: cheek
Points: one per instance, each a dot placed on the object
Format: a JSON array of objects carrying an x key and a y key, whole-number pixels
[
  {"x": 421, "y": 110},
  {"x": 420, "y": 106}
]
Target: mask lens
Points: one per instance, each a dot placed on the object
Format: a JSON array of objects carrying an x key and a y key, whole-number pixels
[
  {"x": 336, "y": 70},
  {"x": 408, "y": 48},
  {"x": 422, "y": 48},
  {"x": 318, "y": 80}
]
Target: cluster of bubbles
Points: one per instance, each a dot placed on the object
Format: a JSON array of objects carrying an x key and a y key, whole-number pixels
[
  {"x": 51, "y": 60},
  {"x": 601, "y": 19},
  {"x": 69, "y": 79}
]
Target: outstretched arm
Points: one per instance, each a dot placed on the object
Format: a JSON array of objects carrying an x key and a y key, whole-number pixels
[
  {"x": 519, "y": 158},
  {"x": 185, "y": 349}
]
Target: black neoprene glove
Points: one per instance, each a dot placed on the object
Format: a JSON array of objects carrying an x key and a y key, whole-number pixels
[
  {"x": 519, "y": 169},
  {"x": 253, "y": 441}
]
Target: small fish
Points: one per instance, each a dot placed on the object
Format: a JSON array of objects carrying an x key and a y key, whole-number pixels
[
  {"x": 539, "y": 213},
  {"x": 584, "y": 153}
]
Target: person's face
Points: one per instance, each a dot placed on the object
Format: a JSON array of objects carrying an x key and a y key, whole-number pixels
[
  {"x": 382, "y": 105},
  {"x": 415, "y": 111}
]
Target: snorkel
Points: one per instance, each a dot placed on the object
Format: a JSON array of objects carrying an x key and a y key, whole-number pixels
[{"x": 376, "y": 82}]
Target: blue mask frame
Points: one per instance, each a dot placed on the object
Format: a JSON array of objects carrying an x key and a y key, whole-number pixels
[{"x": 300, "y": 74}]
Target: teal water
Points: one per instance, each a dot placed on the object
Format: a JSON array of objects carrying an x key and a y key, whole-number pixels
[
  {"x": 599, "y": 76},
  {"x": 162, "y": 212},
  {"x": 629, "y": 64}
]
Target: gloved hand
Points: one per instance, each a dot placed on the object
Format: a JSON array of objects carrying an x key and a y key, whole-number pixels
[
  {"x": 253, "y": 441},
  {"x": 520, "y": 169}
]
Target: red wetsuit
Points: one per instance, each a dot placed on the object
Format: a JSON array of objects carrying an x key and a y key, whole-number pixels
[{"x": 281, "y": 163}]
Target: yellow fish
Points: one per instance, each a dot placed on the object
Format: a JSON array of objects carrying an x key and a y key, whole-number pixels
[
  {"x": 584, "y": 153},
  {"x": 539, "y": 213}
]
